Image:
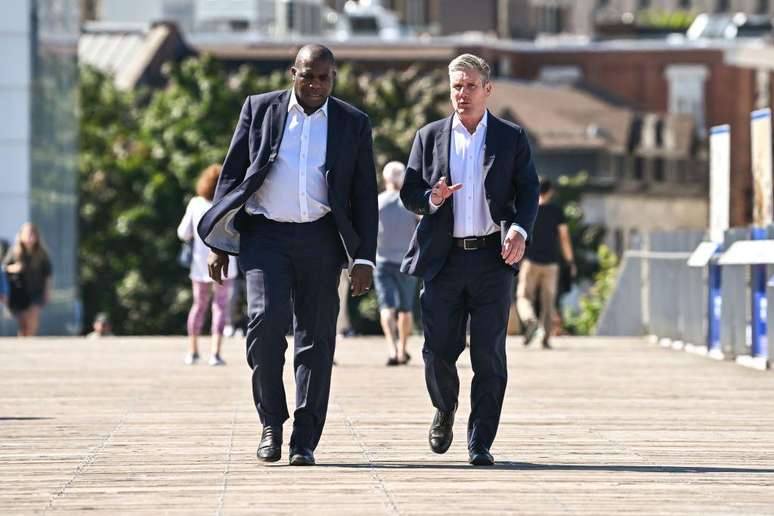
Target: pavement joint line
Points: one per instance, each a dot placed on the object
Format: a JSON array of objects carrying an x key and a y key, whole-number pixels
[
  {"x": 227, "y": 468},
  {"x": 88, "y": 461},
  {"x": 391, "y": 505}
]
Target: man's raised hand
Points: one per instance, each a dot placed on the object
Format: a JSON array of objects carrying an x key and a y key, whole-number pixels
[{"x": 441, "y": 191}]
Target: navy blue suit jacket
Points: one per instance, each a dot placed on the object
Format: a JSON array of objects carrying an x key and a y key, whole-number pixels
[
  {"x": 349, "y": 172},
  {"x": 511, "y": 187}
]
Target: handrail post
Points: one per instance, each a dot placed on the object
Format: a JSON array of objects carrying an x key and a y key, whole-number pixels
[{"x": 759, "y": 302}]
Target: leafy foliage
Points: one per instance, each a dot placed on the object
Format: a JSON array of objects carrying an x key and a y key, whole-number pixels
[
  {"x": 591, "y": 305},
  {"x": 141, "y": 152},
  {"x": 586, "y": 238}
]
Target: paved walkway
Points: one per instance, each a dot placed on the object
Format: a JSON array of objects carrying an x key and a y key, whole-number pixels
[{"x": 598, "y": 426}]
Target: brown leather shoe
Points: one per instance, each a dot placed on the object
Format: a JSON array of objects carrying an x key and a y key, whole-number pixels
[
  {"x": 441, "y": 435},
  {"x": 270, "y": 447}
]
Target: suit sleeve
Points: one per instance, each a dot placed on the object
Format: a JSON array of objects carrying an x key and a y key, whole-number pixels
[
  {"x": 365, "y": 209},
  {"x": 527, "y": 185},
  {"x": 415, "y": 192},
  {"x": 238, "y": 156}
]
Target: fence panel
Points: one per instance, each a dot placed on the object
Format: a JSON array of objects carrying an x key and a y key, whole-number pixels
[{"x": 734, "y": 317}]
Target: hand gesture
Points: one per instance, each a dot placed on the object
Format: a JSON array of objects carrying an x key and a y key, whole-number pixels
[
  {"x": 513, "y": 247},
  {"x": 217, "y": 265},
  {"x": 441, "y": 191}
]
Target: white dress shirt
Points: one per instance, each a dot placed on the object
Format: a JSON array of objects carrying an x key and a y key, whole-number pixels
[
  {"x": 466, "y": 166},
  {"x": 295, "y": 189}
]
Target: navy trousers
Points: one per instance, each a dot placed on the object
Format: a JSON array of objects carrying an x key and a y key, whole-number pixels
[
  {"x": 291, "y": 271},
  {"x": 476, "y": 284}
]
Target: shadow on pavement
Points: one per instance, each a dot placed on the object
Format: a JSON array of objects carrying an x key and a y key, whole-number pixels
[{"x": 528, "y": 466}]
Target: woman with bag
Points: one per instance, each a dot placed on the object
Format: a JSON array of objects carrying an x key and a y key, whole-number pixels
[
  {"x": 28, "y": 271},
  {"x": 203, "y": 286}
]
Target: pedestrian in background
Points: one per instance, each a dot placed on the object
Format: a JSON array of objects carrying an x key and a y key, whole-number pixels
[
  {"x": 28, "y": 270},
  {"x": 395, "y": 290},
  {"x": 101, "y": 327},
  {"x": 540, "y": 269},
  {"x": 201, "y": 283}
]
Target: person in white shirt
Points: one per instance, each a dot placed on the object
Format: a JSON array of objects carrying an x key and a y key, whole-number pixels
[
  {"x": 297, "y": 202},
  {"x": 202, "y": 285},
  {"x": 472, "y": 178}
]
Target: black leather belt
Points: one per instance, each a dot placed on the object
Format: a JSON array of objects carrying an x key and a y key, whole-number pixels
[{"x": 476, "y": 243}]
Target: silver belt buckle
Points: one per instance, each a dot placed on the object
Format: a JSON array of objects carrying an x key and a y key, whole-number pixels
[{"x": 465, "y": 244}]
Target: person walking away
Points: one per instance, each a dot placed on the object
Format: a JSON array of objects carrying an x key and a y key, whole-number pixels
[
  {"x": 395, "y": 290},
  {"x": 540, "y": 269},
  {"x": 28, "y": 269},
  {"x": 201, "y": 283}
]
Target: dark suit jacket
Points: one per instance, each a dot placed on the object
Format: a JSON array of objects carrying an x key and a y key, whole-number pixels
[
  {"x": 511, "y": 187},
  {"x": 349, "y": 171}
]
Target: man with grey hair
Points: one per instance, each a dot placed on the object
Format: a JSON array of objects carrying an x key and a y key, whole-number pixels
[
  {"x": 472, "y": 177},
  {"x": 395, "y": 290}
]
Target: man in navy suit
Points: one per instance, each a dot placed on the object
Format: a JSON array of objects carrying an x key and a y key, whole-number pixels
[
  {"x": 296, "y": 200},
  {"x": 472, "y": 178}
]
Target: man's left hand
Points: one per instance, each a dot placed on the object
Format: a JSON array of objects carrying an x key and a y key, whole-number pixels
[
  {"x": 360, "y": 278},
  {"x": 513, "y": 247}
]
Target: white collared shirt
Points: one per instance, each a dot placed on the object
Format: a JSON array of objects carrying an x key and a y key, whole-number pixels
[
  {"x": 466, "y": 165},
  {"x": 295, "y": 189}
]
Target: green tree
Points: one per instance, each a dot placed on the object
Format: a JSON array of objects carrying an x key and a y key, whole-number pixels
[
  {"x": 141, "y": 152},
  {"x": 584, "y": 321}
]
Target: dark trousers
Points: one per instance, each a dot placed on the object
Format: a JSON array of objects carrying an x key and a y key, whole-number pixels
[
  {"x": 477, "y": 284},
  {"x": 291, "y": 269}
]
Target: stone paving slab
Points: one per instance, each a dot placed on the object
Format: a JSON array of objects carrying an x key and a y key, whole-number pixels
[{"x": 596, "y": 426}]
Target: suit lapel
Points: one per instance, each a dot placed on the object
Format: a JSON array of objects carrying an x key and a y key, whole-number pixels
[
  {"x": 442, "y": 146},
  {"x": 490, "y": 147},
  {"x": 277, "y": 116},
  {"x": 335, "y": 130}
]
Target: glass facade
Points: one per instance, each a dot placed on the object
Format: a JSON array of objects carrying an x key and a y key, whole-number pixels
[{"x": 53, "y": 154}]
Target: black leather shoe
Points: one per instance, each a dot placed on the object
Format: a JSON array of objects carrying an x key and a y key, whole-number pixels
[
  {"x": 301, "y": 457},
  {"x": 480, "y": 456},
  {"x": 270, "y": 447},
  {"x": 441, "y": 434}
]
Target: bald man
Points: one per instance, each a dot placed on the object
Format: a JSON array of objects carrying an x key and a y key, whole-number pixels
[{"x": 297, "y": 202}]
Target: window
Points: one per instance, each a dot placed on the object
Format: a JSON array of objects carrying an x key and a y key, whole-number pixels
[
  {"x": 659, "y": 133},
  {"x": 643, "y": 4},
  {"x": 658, "y": 170},
  {"x": 639, "y": 168},
  {"x": 722, "y": 6},
  {"x": 416, "y": 13},
  {"x": 685, "y": 4},
  {"x": 762, "y": 7}
]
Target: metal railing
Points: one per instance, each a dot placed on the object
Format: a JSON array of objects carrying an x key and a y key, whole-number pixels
[{"x": 658, "y": 294}]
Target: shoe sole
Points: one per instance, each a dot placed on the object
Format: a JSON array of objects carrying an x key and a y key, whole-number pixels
[
  {"x": 270, "y": 459},
  {"x": 481, "y": 461},
  {"x": 300, "y": 461}
]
